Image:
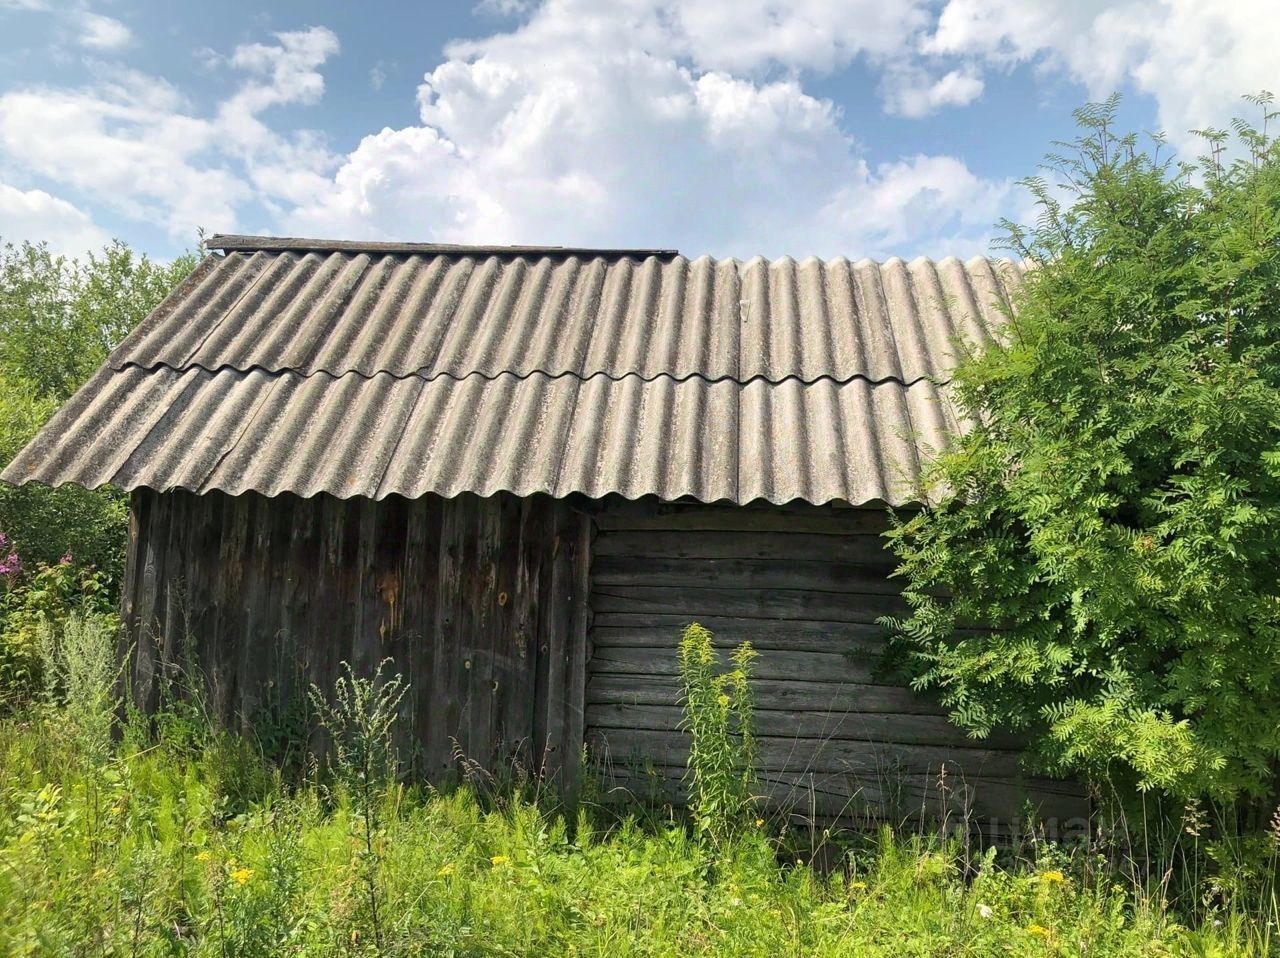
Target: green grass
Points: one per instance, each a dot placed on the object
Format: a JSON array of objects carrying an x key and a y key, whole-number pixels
[{"x": 186, "y": 842}]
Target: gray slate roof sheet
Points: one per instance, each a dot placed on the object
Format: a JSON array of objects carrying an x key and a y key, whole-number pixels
[{"x": 403, "y": 370}]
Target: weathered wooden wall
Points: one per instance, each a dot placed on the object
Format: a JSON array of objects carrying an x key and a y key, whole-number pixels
[
  {"x": 480, "y": 602},
  {"x": 483, "y": 605},
  {"x": 805, "y": 585}
]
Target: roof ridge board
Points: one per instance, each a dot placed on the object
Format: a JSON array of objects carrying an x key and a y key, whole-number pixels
[
  {"x": 247, "y": 243},
  {"x": 530, "y": 374},
  {"x": 232, "y": 242}
]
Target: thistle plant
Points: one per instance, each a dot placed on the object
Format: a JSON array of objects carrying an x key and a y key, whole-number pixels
[{"x": 359, "y": 721}]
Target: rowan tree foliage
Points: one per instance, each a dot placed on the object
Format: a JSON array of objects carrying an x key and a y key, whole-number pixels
[{"x": 1100, "y": 562}]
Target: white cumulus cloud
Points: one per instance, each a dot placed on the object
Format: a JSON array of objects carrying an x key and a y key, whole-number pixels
[
  {"x": 912, "y": 91},
  {"x": 103, "y": 33},
  {"x": 132, "y": 143},
  {"x": 37, "y": 216},
  {"x": 635, "y": 122},
  {"x": 1195, "y": 58},
  {"x": 653, "y": 124}
]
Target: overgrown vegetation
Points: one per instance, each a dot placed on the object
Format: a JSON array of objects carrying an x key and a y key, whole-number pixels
[
  {"x": 59, "y": 318},
  {"x": 1113, "y": 522},
  {"x": 61, "y": 550},
  {"x": 174, "y": 839}
]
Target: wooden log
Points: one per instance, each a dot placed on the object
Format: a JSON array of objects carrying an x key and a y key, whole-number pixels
[
  {"x": 789, "y": 518},
  {"x": 837, "y": 796},
  {"x": 864, "y": 639},
  {"x": 825, "y": 575},
  {"x": 780, "y": 694},
  {"x": 716, "y": 544},
  {"x": 792, "y": 754},
  {"x": 770, "y": 664},
  {"x": 748, "y": 604},
  {"x": 810, "y": 721}
]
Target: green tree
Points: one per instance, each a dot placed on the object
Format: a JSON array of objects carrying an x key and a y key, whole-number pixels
[
  {"x": 59, "y": 318},
  {"x": 1100, "y": 562}
]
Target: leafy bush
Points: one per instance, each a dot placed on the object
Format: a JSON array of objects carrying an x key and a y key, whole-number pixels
[
  {"x": 719, "y": 718},
  {"x": 1113, "y": 521},
  {"x": 36, "y": 601}
]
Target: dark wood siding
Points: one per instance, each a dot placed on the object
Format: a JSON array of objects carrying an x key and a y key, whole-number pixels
[
  {"x": 805, "y": 586},
  {"x": 482, "y": 605},
  {"x": 480, "y": 602}
]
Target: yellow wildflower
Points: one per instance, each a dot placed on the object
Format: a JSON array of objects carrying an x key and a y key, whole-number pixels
[
  {"x": 445, "y": 871},
  {"x": 858, "y": 886},
  {"x": 1040, "y": 931},
  {"x": 759, "y": 822},
  {"x": 498, "y": 860},
  {"x": 241, "y": 875},
  {"x": 1053, "y": 877},
  {"x": 724, "y": 701},
  {"x": 203, "y": 856}
]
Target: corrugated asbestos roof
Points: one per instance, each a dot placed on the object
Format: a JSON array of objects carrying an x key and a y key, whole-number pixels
[{"x": 369, "y": 370}]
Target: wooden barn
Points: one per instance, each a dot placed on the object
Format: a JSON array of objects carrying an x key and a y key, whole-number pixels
[{"x": 519, "y": 472}]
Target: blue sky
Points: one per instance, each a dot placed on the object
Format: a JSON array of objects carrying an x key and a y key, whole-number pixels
[{"x": 733, "y": 127}]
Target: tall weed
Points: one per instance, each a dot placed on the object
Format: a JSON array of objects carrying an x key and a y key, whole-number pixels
[
  {"x": 718, "y": 715},
  {"x": 81, "y": 674},
  {"x": 359, "y": 721}
]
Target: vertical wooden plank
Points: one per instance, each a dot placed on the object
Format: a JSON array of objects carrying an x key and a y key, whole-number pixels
[
  {"x": 537, "y": 556},
  {"x": 333, "y": 635},
  {"x": 141, "y": 582},
  {"x": 310, "y": 610},
  {"x": 483, "y": 671},
  {"x": 234, "y": 577},
  {"x": 419, "y": 602},
  {"x": 379, "y": 613},
  {"x": 448, "y": 657},
  {"x": 274, "y": 519},
  {"x": 170, "y": 610},
  {"x": 260, "y": 519},
  {"x": 369, "y": 613},
  {"x": 139, "y": 504},
  {"x": 520, "y": 567},
  {"x": 581, "y": 528},
  {"x": 563, "y": 676},
  {"x": 200, "y": 612},
  {"x": 507, "y": 732},
  {"x": 291, "y": 649}
]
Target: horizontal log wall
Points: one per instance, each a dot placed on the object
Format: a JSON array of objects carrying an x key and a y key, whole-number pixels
[
  {"x": 805, "y": 586},
  {"x": 480, "y": 602}
]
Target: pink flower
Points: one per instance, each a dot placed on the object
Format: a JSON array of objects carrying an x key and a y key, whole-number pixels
[
  {"x": 66, "y": 558},
  {"x": 10, "y": 564}
]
